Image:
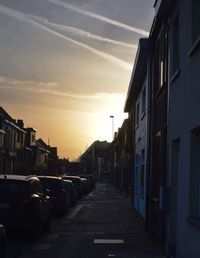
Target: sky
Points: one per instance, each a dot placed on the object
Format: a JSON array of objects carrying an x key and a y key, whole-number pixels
[{"x": 65, "y": 66}]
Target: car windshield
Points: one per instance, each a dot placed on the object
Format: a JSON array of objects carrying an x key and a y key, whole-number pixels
[
  {"x": 14, "y": 187},
  {"x": 51, "y": 184},
  {"x": 67, "y": 184}
]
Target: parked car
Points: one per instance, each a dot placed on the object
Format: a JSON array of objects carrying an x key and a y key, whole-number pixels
[
  {"x": 3, "y": 240},
  {"x": 85, "y": 185},
  {"x": 24, "y": 206},
  {"x": 69, "y": 186},
  {"x": 77, "y": 183},
  {"x": 90, "y": 181},
  {"x": 57, "y": 192}
]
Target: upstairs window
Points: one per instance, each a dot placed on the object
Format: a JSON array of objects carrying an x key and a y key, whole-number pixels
[
  {"x": 137, "y": 114},
  {"x": 142, "y": 172},
  {"x": 1, "y": 140},
  {"x": 160, "y": 61},
  {"x": 175, "y": 45},
  {"x": 195, "y": 20},
  {"x": 144, "y": 100},
  {"x": 195, "y": 175}
]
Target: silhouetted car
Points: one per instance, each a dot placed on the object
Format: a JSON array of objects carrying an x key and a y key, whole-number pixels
[
  {"x": 3, "y": 240},
  {"x": 77, "y": 183},
  {"x": 57, "y": 192},
  {"x": 85, "y": 185},
  {"x": 23, "y": 204},
  {"x": 69, "y": 186},
  {"x": 90, "y": 181}
]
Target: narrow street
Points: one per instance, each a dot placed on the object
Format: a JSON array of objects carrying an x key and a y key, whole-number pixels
[{"x": 101, "y": 225}]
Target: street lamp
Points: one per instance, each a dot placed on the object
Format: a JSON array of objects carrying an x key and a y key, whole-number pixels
[{"x": 112, "y": 126}]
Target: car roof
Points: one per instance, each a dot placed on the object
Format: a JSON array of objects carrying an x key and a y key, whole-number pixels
[
  {"x": 68, "y": 181},
  {"x": 50, "y": 177},
  {"x": 17, "y": 177},
  {"x": 71, "y": 177}
]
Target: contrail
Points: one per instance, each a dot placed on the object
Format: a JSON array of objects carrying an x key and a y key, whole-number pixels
[
  {"x": 80, "y": 32},
  {"x": 100, "y": 17},
  {"x": 23, "y": 17}
]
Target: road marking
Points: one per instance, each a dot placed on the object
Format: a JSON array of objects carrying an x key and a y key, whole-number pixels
[
  {"x": 111, "y": 255},
  {"x": 74, "y": 212},
  {"x": 42, "y": 247},
  {"x": 108, "y": 241},
  {"x": 82, "y": 233}
]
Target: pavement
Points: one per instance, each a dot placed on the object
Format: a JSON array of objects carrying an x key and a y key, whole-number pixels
[{"x": 101, "y": 225}]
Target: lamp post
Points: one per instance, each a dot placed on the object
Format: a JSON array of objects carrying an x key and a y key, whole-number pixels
[{"x": 112, "y": 126}]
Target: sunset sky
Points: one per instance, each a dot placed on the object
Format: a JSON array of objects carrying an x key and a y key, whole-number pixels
[{"x": 65, "y": 65}]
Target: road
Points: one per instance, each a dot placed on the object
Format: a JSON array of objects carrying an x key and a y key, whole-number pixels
[{"x": 101, "y": 225}]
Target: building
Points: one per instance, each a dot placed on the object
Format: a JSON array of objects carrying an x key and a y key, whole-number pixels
[
  {"x": 96, "y": 161},
  {"x": 137, "y": 104},
  {"x": 172, "y": 128},
  {"x": 12, "y": 142},
  {"x": 184, "y": 129},
  {"x": 41, "y": 157}
]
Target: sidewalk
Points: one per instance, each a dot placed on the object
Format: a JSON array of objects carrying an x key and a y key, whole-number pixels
[{"x": 117, "y": 230}]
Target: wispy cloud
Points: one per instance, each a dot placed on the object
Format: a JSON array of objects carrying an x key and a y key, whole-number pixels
[
  {"x": 100, "y": 17},
  {"x": 25, "y": 18},
  {"x": 80, "y": 32},
  {"x": 50, "y": 88}
]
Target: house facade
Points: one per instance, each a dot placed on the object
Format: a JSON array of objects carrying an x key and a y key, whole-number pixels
[
  {"x": 12, "y": 142},
  {"x": 167, "y": 140},
  {"x": 137, "y": 105},
  {"x": 184, "y": 130}
]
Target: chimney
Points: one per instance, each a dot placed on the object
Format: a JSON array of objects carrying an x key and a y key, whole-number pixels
[{"x": 20, "y": 123}]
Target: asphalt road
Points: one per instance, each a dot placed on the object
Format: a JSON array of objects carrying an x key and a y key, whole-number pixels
[{"x": 101, "y": 225}]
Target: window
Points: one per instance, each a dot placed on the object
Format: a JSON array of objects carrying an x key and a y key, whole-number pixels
[
  {"x": 195, "y": 174},
  {"x": 144, "y": 100},
  {"x": 160, "y": 61},
  {"x": 33, "y": 138},
  {"x": 175, "y": 46},
  {"x": 195, "y": 20},
  {"x": 1, "y": 140},
  {"x": 137, "y": 114},
  {"x": 137, "y": 165},
  {"x": 142, "y": 172}
]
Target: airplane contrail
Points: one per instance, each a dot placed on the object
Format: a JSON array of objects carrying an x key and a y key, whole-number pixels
[
  {"x": 100, "y": 17},
  {"x": 23, "y": 17},
  {"x": 80, "y": 32}
]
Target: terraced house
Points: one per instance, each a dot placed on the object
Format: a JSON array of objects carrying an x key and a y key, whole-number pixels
[{"x": 166, "y": 175}]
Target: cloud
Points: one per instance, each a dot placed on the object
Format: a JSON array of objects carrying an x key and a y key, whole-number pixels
[
  {"x": 80, "y": 32},
  {"x": 100, "y": 17},
  {"x": 25, "y": 18},
  {"x": 50, "y": 88}
]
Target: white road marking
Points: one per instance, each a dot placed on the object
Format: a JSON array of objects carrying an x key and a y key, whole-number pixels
[
  {"x": 74, "y": 212},
  {"x": 82, "y": 233},
  {"x": 42, "y": 247},
  {"x": 108, "y": 241}
]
